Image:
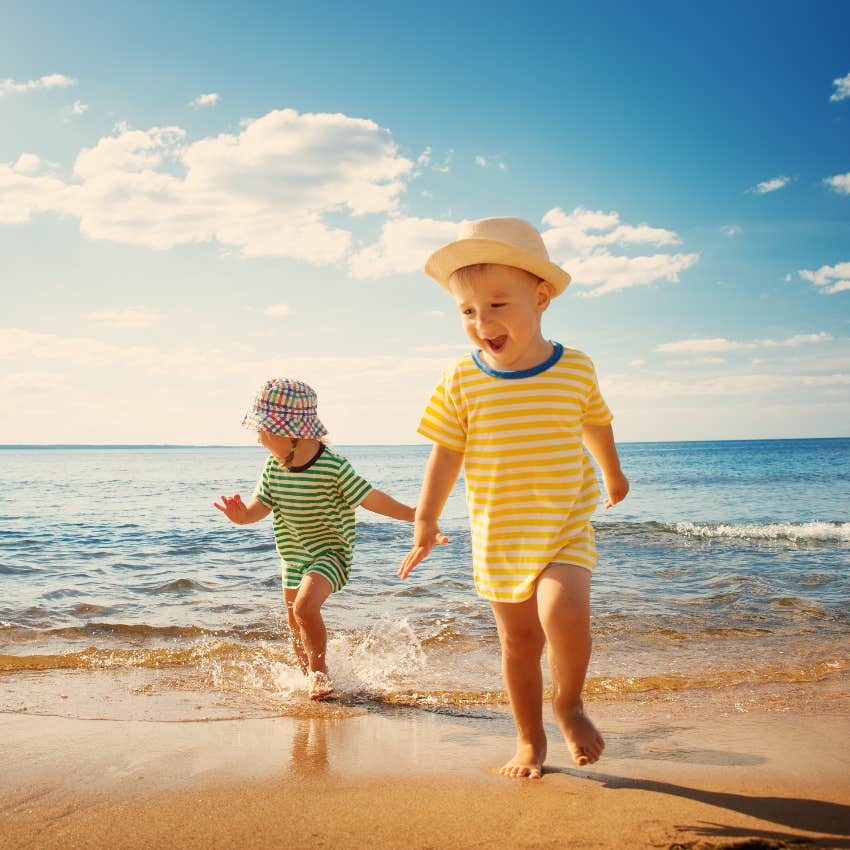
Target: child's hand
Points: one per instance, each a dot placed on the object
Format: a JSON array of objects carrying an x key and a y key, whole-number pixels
[
  {"x": 617, "y": 486},
  {"x": 426, "y": 535},
  {"x": 233, "y": 508}
]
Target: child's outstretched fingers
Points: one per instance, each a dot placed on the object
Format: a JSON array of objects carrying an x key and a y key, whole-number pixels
[
  {"x": 419, "y": 553},
  {"x": 415, "y": 556},
  {"x": 231, "y": 507}
]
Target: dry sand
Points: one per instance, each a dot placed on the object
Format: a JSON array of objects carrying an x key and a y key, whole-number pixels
[{"x": 413, "y": 779}]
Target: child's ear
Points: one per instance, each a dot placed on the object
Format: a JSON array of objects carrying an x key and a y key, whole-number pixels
[{"x": 544, "y": 295}]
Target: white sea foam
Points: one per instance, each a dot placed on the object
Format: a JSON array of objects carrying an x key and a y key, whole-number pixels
[{"x": 806, "y": 531}]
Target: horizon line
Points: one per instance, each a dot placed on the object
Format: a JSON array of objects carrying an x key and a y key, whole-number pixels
[{"x": 8, "y": 446}]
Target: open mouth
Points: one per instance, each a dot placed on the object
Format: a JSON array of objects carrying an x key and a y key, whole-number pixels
[{"x": 496, "y": 344}]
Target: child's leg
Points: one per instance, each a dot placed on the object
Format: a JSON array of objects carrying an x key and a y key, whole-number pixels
[
  {"x": 563, "y": 603},
  {"x": 312, "y": 593},
  {"x": 289, "y": 595},
  {"x": 522, "y": 642}
]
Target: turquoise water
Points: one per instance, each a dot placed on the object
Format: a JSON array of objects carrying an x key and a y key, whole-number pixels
[{"x": 726, "y": 568}]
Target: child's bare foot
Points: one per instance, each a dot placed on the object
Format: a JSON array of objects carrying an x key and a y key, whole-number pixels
[
  {"x": 527, "y": 761},
  {"x": 320, "y": 685},
  {"x": 583, "y": 738}
]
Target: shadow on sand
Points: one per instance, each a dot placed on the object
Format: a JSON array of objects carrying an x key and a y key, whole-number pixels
[{"x": 816, "y": 816}]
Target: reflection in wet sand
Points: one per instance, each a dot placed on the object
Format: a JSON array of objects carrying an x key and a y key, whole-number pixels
[{"x": 309, "y": 747}]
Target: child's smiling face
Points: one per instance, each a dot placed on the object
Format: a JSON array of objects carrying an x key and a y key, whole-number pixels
[{"x": 500, "y": 308}]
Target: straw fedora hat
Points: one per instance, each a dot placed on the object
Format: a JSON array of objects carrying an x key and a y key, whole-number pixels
[{"x": 505, "y": 240}]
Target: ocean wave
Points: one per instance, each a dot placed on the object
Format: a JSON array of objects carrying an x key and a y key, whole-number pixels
[
  {"x": 178, "y": 585},
  {"x": 826, "y": 532}
]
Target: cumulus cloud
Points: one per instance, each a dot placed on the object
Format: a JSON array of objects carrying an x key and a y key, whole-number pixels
[
  {"x": 839, "y": 183},
  {"x": 49, "y": 81},
  {"x": 265, "y": 191},
  {"x": 24, "y": 191},
  {"x": 717, "y": 344},
  {"x": 583, "y": 242},
  {"x": 30, "y": 163},
  {"x": 770, "y": 185},
  {"x": 829, "y": 279},
  {"x": 210, "y": 99},
  {"x": 731, "y": 229},
  {"x": 842, "y": 88},
  {"x": 402, "y": 247}
]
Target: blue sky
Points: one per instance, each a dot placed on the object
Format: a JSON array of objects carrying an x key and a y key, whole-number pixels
[{"x": 194, "y": 199}]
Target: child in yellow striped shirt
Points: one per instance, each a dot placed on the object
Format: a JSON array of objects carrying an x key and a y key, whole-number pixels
[{"x": 516, "y": 414}]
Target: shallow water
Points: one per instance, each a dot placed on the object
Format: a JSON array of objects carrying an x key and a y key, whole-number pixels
[{"x": 124, "y": 593}]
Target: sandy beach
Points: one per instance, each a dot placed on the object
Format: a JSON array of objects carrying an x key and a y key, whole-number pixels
[{"x": 348, "y": 778}]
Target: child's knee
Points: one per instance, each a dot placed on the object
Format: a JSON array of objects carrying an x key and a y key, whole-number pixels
[
  {"x": 521, "y": 642},
  {"x": 304, "y": 608}
]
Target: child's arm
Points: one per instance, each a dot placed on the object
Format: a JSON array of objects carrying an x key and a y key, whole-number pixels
[
  {"x": 599, "y": 440},
  {"x": 440, "y": 475},
  {"x": 379, "y": 502},
  {"x": 240, "y": 513}
]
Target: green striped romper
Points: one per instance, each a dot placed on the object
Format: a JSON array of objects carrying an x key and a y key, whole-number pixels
[{"x": 313, "y": 507}]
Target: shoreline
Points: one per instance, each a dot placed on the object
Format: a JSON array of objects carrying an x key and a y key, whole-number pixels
[{"x": 419, "y": 779}]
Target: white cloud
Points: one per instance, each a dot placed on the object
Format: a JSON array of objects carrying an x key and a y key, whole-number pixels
[
  {"x": 490, "y": 162},
  {"x": 24, "y": 192},
  {"x": 580, "y": 242},
  {"x": 29, "y": 163},
  {"x": 265, "y": 190},
  {"x": 771, "y": 185},
  {"x": 696, "y": 346},
  {"x": 210, "y": 99},
  {"x": 842, "y": 88},
  {"x": 277, "y": 310},
  {"x": 829, "y": 279},
  {"x": 134, "y": 317},
  {"x": 839, "y": 183},
  {"x": 698, "y": 361},
  {"x": 403, "y": 246},
  {"x": 731, "y": 229},
  {"x": 76, "y": 108},
  {"x": 49, "y": 81}
]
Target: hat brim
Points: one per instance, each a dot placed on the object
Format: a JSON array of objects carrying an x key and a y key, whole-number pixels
[
  {"x": 445, "y": 261},
  {"x": 303, "y": 428}
]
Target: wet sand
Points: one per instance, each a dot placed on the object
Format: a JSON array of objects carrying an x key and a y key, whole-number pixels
[{"x": 340, "y": 777}]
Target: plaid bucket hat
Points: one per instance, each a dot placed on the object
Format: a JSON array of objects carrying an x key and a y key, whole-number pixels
[{"x": 287, "y": 408}]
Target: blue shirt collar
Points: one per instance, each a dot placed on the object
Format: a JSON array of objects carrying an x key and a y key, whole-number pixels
[{"x": 550, "y": 361}]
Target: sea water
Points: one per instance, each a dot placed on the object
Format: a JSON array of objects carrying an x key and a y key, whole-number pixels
[{"x": 125, "y": 594}]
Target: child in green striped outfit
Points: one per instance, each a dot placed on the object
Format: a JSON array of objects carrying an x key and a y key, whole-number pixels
[{"x": 312, "y": 492}]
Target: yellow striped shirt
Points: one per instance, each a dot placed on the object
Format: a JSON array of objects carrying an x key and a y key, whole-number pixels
[{"x": 530, "y": 485}]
